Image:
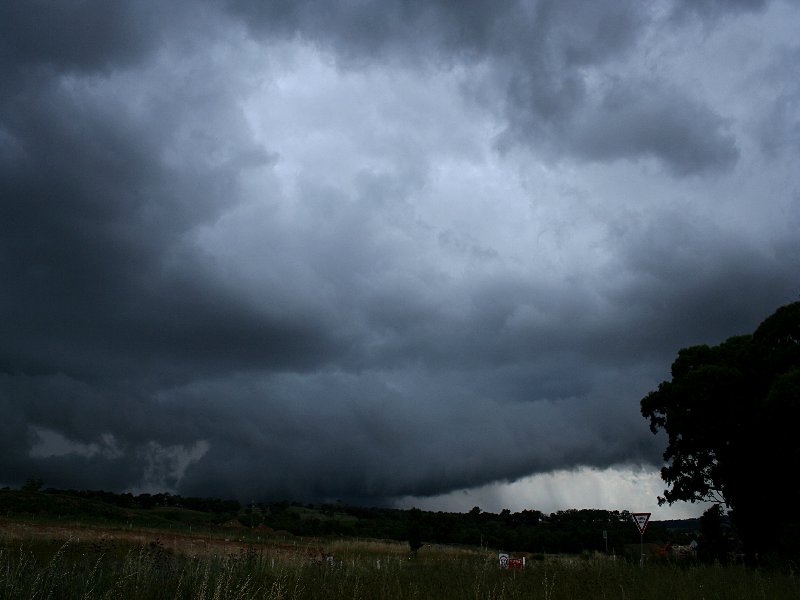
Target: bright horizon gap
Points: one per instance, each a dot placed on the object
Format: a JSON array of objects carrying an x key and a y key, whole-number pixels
[{"x": 614, "y": 488}]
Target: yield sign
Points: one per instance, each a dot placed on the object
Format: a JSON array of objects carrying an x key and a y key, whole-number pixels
[{"x": 641, "y": 520}]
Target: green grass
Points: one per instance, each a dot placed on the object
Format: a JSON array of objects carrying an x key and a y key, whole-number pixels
[{"x": 368, "y": 570}]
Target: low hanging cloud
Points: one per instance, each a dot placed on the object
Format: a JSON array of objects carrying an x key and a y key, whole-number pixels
[
  {"x": 636, "y": 120},
  {"x": 374, "y": 252}
]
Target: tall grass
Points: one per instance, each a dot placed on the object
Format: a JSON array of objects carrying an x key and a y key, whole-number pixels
[{"x": 113, "y": 569}]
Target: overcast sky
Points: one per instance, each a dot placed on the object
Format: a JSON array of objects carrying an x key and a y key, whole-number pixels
[{"x": 407, "y": 252}]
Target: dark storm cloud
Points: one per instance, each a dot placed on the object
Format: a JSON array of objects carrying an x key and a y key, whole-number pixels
[
  {"x": 631, "y": 120},
  {"x": 778, "y": 125},
  {"x": 351, "y": 433},
  {"x": 93, "y": 216},
  {"x": 186, "y": 308},
  {"x": 714, "y": 9},
  {"x": 77, "y": 35},
  {"x": 542, "y": 54}
]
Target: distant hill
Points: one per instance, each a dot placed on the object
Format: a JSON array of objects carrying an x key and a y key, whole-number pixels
[{"x": 681, "y": 526}]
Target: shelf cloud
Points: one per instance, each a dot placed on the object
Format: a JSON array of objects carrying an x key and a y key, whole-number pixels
[{"x": 378, "y": 250}]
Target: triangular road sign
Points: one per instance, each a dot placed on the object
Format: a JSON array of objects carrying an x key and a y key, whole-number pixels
[{"x": 641, "y": 520}]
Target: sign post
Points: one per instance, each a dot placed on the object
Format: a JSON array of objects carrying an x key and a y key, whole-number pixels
[{"x": 641, "y": 520}]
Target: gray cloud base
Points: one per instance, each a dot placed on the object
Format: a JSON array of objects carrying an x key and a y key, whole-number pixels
[{"x": 163, "y": 330}]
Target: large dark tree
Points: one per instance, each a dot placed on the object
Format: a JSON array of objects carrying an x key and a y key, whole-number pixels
[{"x": 732, "y": 417}]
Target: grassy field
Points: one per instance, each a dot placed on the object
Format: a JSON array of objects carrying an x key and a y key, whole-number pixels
[
  {"x": 59, "y": 546},
  {"x": 119, "y": 568}
]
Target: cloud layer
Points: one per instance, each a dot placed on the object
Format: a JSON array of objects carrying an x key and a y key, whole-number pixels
[{"x": 374, "y": 251}]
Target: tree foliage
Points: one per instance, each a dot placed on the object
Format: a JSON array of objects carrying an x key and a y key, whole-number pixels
[{"x": 731, "y": 414}]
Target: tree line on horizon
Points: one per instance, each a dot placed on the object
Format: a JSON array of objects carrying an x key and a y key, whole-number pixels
[{"x": 533, "y": 531}]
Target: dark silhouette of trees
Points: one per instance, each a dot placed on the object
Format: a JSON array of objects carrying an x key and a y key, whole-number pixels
[
  {"x": 414, "y": 530},
  {"x": 715, "y": 544},
  {"x": 33, "y": 484},
  {"x": 731, "y": 414},
  {"x": 566, "y": 531}
]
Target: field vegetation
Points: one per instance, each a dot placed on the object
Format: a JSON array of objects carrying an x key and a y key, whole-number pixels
[
  {"x": 78, "y": 545},
  {"x": 358, "y": 569}
]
